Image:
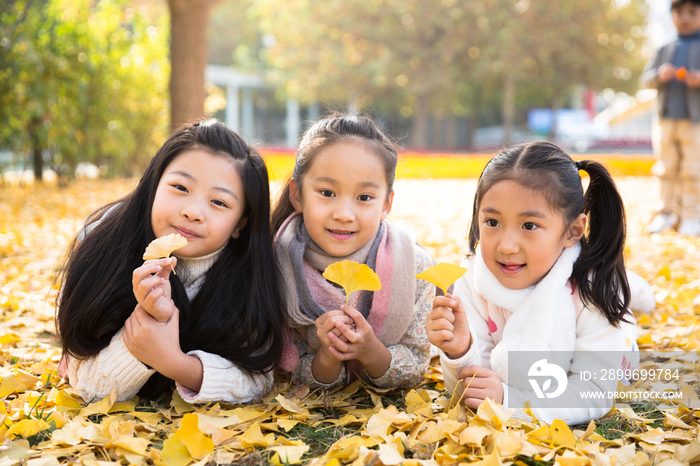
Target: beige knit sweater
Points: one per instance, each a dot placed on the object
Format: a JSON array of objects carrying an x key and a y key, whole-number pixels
[{"x": 115, "y": 368}]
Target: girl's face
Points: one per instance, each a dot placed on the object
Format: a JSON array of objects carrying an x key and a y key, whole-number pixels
[
  {"x": 520, "y": 236},
  {"x": 344, "y": 196},
  {"x": 201, "y": 197}
]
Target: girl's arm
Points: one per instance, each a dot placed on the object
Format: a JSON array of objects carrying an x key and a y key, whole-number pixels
[
  {"x": 481, "y": 342},
  {"x": 303, "y": 373},
  {"x": 224, "y": 381},
  {"x": 113, "y": 368}
]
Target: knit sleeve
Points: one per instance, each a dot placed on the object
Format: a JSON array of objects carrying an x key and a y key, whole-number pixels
[
  {"x": 303, "y": 374},
  {"x": 410, "y": 357},
  {"x": 598, "y": 344},
  {"x": 481, "y": 342},
  {"x": 222, "y": 380},
  {"x": 112, "y": 368}
]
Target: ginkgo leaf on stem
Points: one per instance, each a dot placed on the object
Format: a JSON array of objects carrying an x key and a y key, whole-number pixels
[
  {"x": 164, "y": 246},
  {"x": 442, "y": 275},
  {"x": 352, "y": 277}
]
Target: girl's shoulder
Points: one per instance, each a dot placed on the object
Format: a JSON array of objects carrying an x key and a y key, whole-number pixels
[{"x": 423, "y": 260}]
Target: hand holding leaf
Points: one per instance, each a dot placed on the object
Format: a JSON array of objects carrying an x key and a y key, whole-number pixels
[
  {"x": 164, "y": 246},
  {"x": 352, "y": 277},
  {"x": 442, "y": 275}
]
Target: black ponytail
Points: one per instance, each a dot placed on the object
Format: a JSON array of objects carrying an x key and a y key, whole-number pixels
[{"x": 600, "y": 269}]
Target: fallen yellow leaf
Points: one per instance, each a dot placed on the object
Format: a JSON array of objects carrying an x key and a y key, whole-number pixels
[
  {"x": 28, "y": 427},
  {"x": 352, "y": 277},
  {"x": 175, "y": 453},
  {"x": 562, "y": 435},
  {"x": 198, "y": 444},
  {"x": 288, "y": 454},
  {"x": 442, "y": 275}
]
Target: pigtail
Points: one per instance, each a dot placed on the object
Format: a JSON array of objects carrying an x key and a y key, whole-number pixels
[
  {"x": 283, "y": 208},
  {"x": 599, "y": 271}
]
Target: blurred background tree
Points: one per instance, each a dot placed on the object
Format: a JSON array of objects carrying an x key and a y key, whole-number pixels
[
  {"x": 90, "y": 81},
  {"x": 83, "y": 82},
  {"x": 429, "y": 54}
]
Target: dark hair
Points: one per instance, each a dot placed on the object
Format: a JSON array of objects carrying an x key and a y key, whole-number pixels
[
  {"x": 326, "y": 133},
  {"x": 677, "y": 4},
  {"x": 238, "y": 312},
  {"x": 599, "y": 271}
]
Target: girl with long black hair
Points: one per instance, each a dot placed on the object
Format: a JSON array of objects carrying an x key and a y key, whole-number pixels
[{"x": 215, "y": 327}]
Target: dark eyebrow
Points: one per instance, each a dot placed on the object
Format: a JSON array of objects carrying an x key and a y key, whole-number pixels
[
  {"x": 227, "y": 191},
  {"x": 533, "y": 213},
  {"x": 182, "y": 173},
  {"x": 326, "y": 179},
  {"x": 366, "y": 184},
  {"x": 527, "y": 213},
  {"x": 190, "y": 177}
]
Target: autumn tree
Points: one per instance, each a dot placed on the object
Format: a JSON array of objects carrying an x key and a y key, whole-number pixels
[
  {"x": 82, "y": 82},
  {"x": 449, "y": 56}
]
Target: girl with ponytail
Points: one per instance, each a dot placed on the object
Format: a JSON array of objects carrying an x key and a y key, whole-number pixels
[{"x": 546, "y": 274}]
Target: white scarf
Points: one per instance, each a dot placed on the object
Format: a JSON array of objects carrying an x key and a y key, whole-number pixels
[{"x": 543, "y": 315}]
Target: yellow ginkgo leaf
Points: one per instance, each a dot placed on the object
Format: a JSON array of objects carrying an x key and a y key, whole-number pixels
[
  {"x": 163, "y": 246},
  {"x": 352, "y": 277},
  {"x": 175, "y": 453},
  {"x": 561, "y": 434},
  {"x": 196, "y": 442},
  {"x": 28, "y": 427},
  {"x": 442, "y": 275}
]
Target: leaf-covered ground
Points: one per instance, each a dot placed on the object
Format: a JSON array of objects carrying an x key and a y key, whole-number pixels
[{"x": 45, "y": 423}]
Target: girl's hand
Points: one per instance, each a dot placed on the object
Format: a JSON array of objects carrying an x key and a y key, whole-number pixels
[
  {"x": 325, "y": 366},
  {"x": 447, "y": 326},
  {"x": 361, "y": 345},
  {"x": 152, "y": 287},
  {"x": 152, "y": 342},
  {"x": 480, "y": 383},
  {"x": 327, "y": 323}
]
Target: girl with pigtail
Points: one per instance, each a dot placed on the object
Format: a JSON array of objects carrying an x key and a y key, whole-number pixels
[{"x": 546, "y": 273}]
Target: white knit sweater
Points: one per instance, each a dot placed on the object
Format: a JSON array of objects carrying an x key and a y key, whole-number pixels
[{"x": 116, "y": 368}]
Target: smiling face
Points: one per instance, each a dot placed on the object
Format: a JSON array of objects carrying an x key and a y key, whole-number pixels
[
  {"x": 686, "y": 18},
  {"x": 520, "y": 236},
  {"x": 343, "y": 197},
  {"x": 201, "y": 197}
]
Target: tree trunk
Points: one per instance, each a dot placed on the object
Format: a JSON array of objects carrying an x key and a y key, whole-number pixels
[
  {"x": 508, "y": 108},
  {"x": 189, "y": 23},
  {"x": 473, "y": 120},
  {"x": 553, "y": 128},
  {"x": 451, "y": 131},
  {"x": 420, "y": 124},
  {"x": 37, "y": 149}
]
